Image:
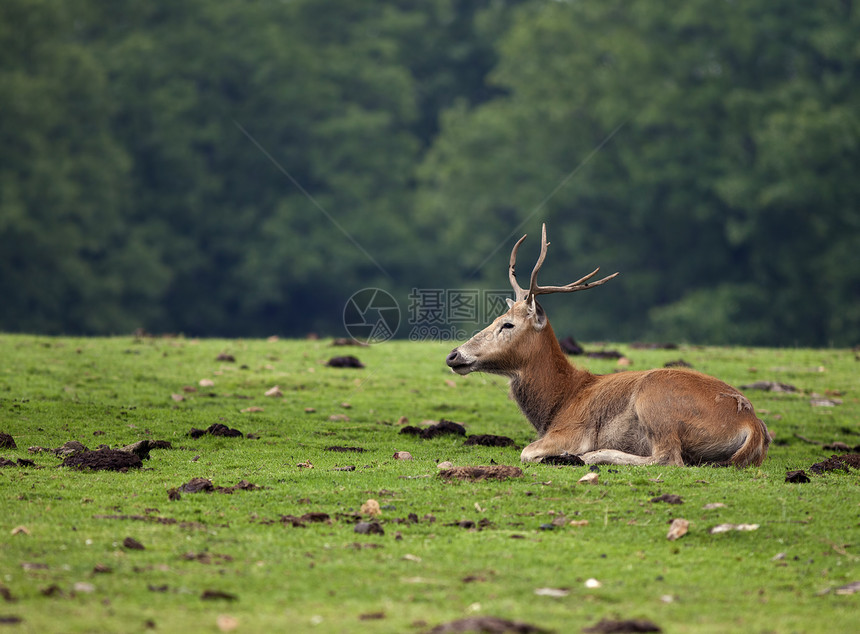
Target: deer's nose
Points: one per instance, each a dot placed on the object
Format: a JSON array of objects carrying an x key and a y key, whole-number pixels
[{"x": 453, "y": 357}]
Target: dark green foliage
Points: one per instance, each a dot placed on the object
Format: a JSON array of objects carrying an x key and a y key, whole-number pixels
[{"x": 242, "y": 168}]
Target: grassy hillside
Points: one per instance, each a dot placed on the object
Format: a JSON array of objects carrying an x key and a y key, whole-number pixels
[{"x": 238, "y": 562}]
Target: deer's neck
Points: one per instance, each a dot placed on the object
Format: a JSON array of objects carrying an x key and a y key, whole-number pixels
[{"x": 546, "y": 383}]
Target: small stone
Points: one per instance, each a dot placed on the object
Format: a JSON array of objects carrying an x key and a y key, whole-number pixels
[
  {"x": 206, "y": 383},
  {"x": 447, "y": 464},
  {"x": 274, "y": 392},
  {"x": 589, "y": 478},
  {"x": 592, "y": 583},
  {"x": 402, "y": 455},
  {"x": 371, "y": 507},
  {"x": 678, "y": 529}
]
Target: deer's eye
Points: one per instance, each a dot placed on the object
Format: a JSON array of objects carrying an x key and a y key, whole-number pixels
[{"x": 507, "y": 324}]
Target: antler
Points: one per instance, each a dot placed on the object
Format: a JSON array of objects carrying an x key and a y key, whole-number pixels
[{"x": 534, "y": 289}]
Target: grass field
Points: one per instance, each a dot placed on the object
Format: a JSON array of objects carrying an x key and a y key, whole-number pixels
[{"x": 230, "y": 562}]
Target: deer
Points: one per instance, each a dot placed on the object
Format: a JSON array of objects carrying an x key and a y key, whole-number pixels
[{"x": 665, "y": 416}]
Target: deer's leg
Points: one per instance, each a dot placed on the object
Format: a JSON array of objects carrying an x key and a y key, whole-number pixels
[
  {"x": 545, "y": 447},
  {"x": 613, "y": 456}
]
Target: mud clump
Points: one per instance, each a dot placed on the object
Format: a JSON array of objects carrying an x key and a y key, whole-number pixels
[
  {"x": 489, "y": 440},
  {"x": 347, "y": 361},
  {"x": 844, "y": 462},
  {"x": 103, "y": 460},
  {"x": 608, "y": 626},
  {"x": 141, "y": 448},
  {"x": 346, "y": 449},
  {"x": 442, "y": 428},
  {"x": 204, "y": 485},
  {"x": 605, "y": 354},
  {"x": 797, "y": 477},
  {"x": 668, "y": 498},
  {"x": 473, "y": 474},
  {"x": 569, "y": 345},
  {"x": 564, "y": 460},
  {"x": 216, "y": 429},
  {"x": 7, "y": 442},
  {"x": 369, "y": 528},
  {"x": 487, "y": 625}
]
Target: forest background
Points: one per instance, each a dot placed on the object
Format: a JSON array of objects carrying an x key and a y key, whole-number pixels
[{"x": 242, "y": 168}]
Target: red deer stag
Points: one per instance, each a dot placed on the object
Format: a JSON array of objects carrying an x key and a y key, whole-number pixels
[{"x": 664, "y": 416}]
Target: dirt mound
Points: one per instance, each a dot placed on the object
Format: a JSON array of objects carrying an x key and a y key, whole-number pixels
[
  {"x": 489, "y": 440},
  {"x": 346, "y": 449},
  {"x": 216, "y": 429},
  {"x": 103, "y": 460},
  {"x": 569, "y": 345},
  {"x": 441, "y": 428},
  {"x": 142, "y": 447},
  {"x": 7, "y": 442},
  {"x": 348, "y": 361},
  {"x": 565, "y": 460},
  {"x": 834, "y": 463},
  {"x": 487, "y": 625},
  {"x": 494, "y": 472},
  {"x": 608, "y": 626},
  {"x": 204, "y": 485}
]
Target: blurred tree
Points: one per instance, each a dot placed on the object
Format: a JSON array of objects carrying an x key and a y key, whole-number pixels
[
  {"x": 68, "y": 260},
  {"x": 724, "y": 188}
]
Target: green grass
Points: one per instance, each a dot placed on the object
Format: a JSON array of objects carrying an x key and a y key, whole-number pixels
[{"x": 324, "y": 577}]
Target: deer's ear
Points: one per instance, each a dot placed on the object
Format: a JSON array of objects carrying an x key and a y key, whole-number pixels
[
  {"x": 510, "y": 302},
  {"x": 536, "y": 314}
]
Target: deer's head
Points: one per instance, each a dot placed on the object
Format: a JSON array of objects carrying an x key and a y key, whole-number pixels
[{"x": 506, "y": 344}]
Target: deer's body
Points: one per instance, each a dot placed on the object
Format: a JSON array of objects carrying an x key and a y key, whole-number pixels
[{"x": 663, "y": 416}]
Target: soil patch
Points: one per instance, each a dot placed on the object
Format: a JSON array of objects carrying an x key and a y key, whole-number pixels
[
  {"x": 769, "y": 386},
  {"x": 441, "y": 428},
  {"x": 214, "y": 595},
  {"x": 638, "y": 345},
  {"x": 142, "y": 448},
  {"x": 798, "y": 477},
  {"x": 565, "y": 459},
  {"x": 369, "y": 528},
  {"x": 494, "y": 472},
  {"x": 668, "y": 498},
  {"x": 487, "y": 625},
  {"x": 104, "y": 460},
  {"x": 7, "y": 442},
  {"x": 203, "y": 485},
  {"x": 216, "y": 429},
  {"x": 307, "y": 518},
  {"x": 489, "y": 440},
  {"x": 678, "y": 363},
  {"x": 132, "y": 544},
  {"x": 348, "y": 361},
  {"x": 346, "y": 449},
  {"x": 605, "y": 354},
  {"x": 344, "y": 341},
  {"x": 608, "y": 626},
  {"x": 837, "y": 463},
  {"x": 569, "y": 345},
  {"x": 20, "y": 462}
]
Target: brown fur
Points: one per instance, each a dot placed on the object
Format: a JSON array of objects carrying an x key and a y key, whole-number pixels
[{"x": 664, "y": 416}]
